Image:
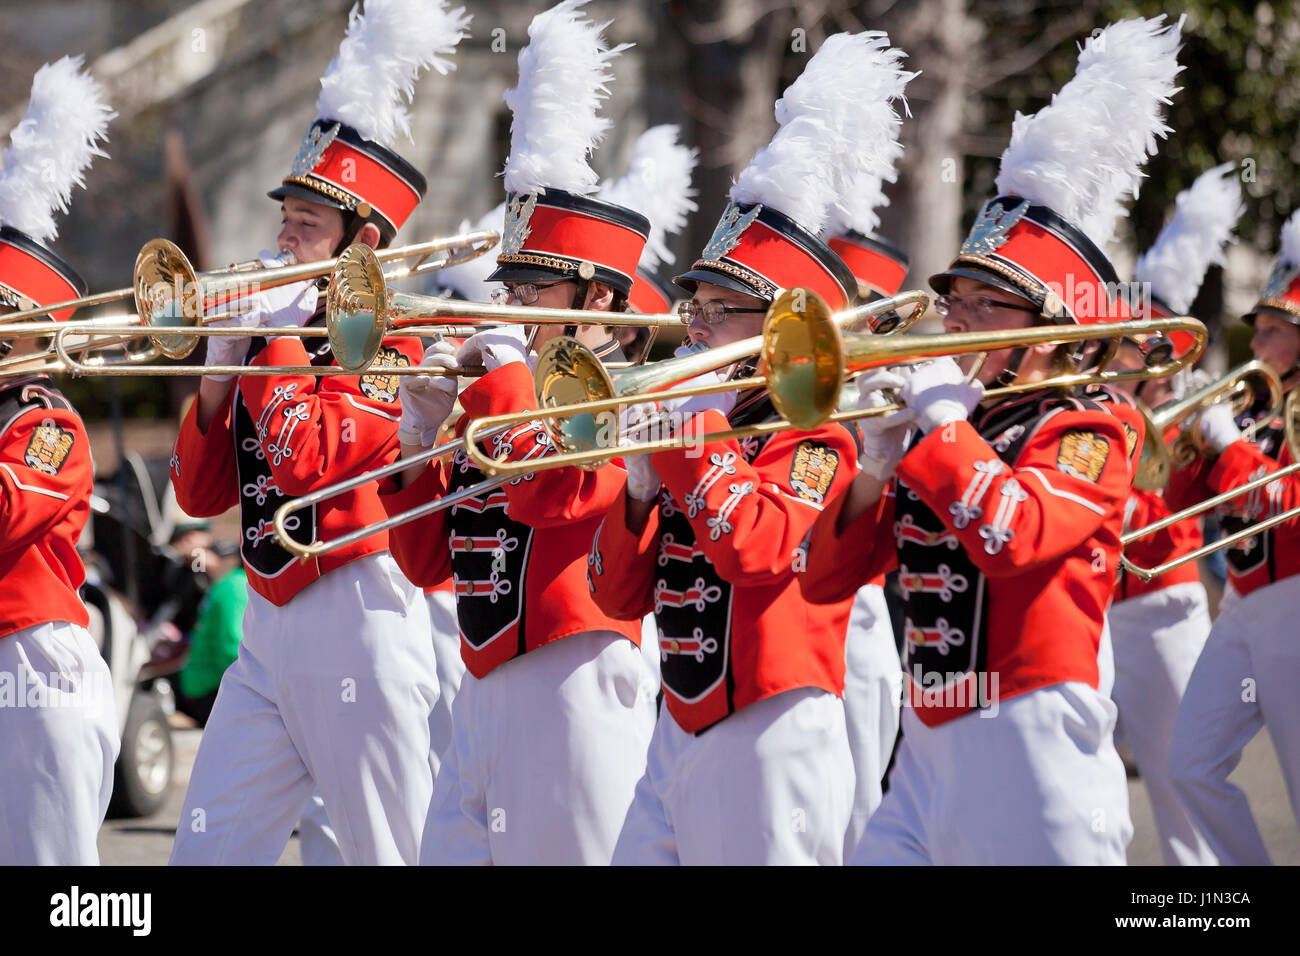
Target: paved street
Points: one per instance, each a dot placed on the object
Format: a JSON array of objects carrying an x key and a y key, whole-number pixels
[{"x": 148, "y": 842}]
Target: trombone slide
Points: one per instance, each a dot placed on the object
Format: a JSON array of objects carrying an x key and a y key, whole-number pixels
[{"x": 1146, "y": 574}]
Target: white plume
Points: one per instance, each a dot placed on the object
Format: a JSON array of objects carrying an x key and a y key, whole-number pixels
[
  {"x": 369, "y": 83},
  {"x": 835, "y": 131},
  {"x": 1194, "y": 239},
  {"x": 1290, "y": 253},
  {"x": 657, "y": 185},
  {"x": 856, "y": 210},
  {"x": 1082, "y": 154},
  {"x": 51, "y": 147},
  {"x": 470, "y": 278},
  {"x": 563, "y": 77}
]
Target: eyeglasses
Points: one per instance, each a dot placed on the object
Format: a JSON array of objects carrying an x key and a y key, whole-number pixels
[
  {"x": 981, "y": 306},
  {"x": 525, "y": 293},
  {"x": 712, "y": 312}
]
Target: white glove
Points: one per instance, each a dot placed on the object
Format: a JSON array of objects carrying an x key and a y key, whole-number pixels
[
  {"x": 643, "y": 481},
  {"x": 493, "y": 348},
  {"x": 937, "y": 393},
  {"x": 1217, "y": 427},
  {"x": 427, "y": 400},
  {"x": 230, "y": 349},
  {"x": 884, "y": 437},
  {"x": 286, "y": 306}
]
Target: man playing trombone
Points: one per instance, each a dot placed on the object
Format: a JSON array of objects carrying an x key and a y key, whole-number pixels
[
  {"x": 550, "y": 725},
  {"x": 1246, "y": 675},
  {"x": 750, "y": 761},
  {"x": 56, "y": 693},
  {"x": 1005, "y": 512},
  {"x": 1159, "y": 627},
  {"x": 335, "y": 677}
]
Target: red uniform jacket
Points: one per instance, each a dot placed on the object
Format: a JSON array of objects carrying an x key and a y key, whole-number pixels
[
  {"x": 282, "y": 436},
  {"x": 716, "y": 563},
  {"x": 1145, "y": 507},
  {"x": 46, "y": 476},
  {"x": 1263, "y": 558},
  {"x": 517, "y": 554},
  {"x": 1007, "y": 531}
]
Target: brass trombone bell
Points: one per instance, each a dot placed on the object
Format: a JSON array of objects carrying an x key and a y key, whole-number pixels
[
  {"x": 169, "y": 293},
  {"x": 1157, "y": 458},
  {"x": 361, "y": 310}
]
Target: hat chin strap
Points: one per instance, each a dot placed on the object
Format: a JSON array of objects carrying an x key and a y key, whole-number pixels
[
  {"x": 1007, "y": 376},
  {"x": 579, "y": 301}
]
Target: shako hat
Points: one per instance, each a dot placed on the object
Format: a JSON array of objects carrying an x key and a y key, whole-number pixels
[
  {"x": 1193, "y": 240},
  {"x": 346, "y": 160},
  {"x": 50, "y": 149},
  {"x": 830, "y": 134},
  {"x": 554, "y": 226},
  {"x": 1282, "y": 290},
  {"x": 1066, "y": 172}
]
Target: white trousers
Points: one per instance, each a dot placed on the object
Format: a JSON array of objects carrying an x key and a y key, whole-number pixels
[
  {"x": 451, "y": 670},
  {"x": 1246, "y": 677},
  {"x": 59, "y": 739},
  {"x": 771, "y": 784},
  {"x": 331, "y": 692},
  {"x": 546, "y": 753},
  {"x": 1157, "y": 638},
  {"x": 873, "y": 694},
  {"x": 316, "y": 839},
  {"x": 1039, "y": 783}
]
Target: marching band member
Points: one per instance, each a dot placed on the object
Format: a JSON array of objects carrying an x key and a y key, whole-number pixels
[
  {"x": 1159, "y": 627},
  {"x": 750, "y": 761},
  {"x": 873, "y": 672},
  {"x": 56, "y": 693},
  {"x": 335, "y": 677},
  {"x": 551, "y": 724},
  {"x": 1247, "y": 672},
  {"x": 1006, "y": 514}
]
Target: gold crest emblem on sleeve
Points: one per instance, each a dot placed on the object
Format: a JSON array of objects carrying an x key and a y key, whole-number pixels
[
  {"x": 48, "y": 448},
  {"x": 812, "y": 470},
  {"x": 1082, "y": 454},
  {"x": 383, "y": 388}
]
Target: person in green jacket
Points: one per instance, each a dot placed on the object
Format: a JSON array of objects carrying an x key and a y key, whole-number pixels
[{"x": 214, "y": 642}]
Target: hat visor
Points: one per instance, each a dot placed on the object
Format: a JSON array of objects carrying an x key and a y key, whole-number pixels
[
  {"x": 286, "y": 190},
  {"x": 689, "y": 281},
  {"x": 520, "y": 272},
  {"x": 1285, "y": 314},
  {"x": 942, "y": 282}
]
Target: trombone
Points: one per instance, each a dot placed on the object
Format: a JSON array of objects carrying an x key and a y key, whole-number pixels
[
  {"x": 169, "y": 293},
  {"x": 1157, "y": 458},
  {"x": 1291, "y": 429},
  {"x": 629, "y": 378},
  {"x": 361, "y": 309},
  {"x": 806, "y": 360}
]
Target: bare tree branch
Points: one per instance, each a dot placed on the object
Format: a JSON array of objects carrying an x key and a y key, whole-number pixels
[{"x": 1030, "y": 54}]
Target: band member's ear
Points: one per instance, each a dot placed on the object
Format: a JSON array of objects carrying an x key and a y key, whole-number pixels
[
  {"x": 600, "y": 298},
  {"x": 368, "y": 235}
]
